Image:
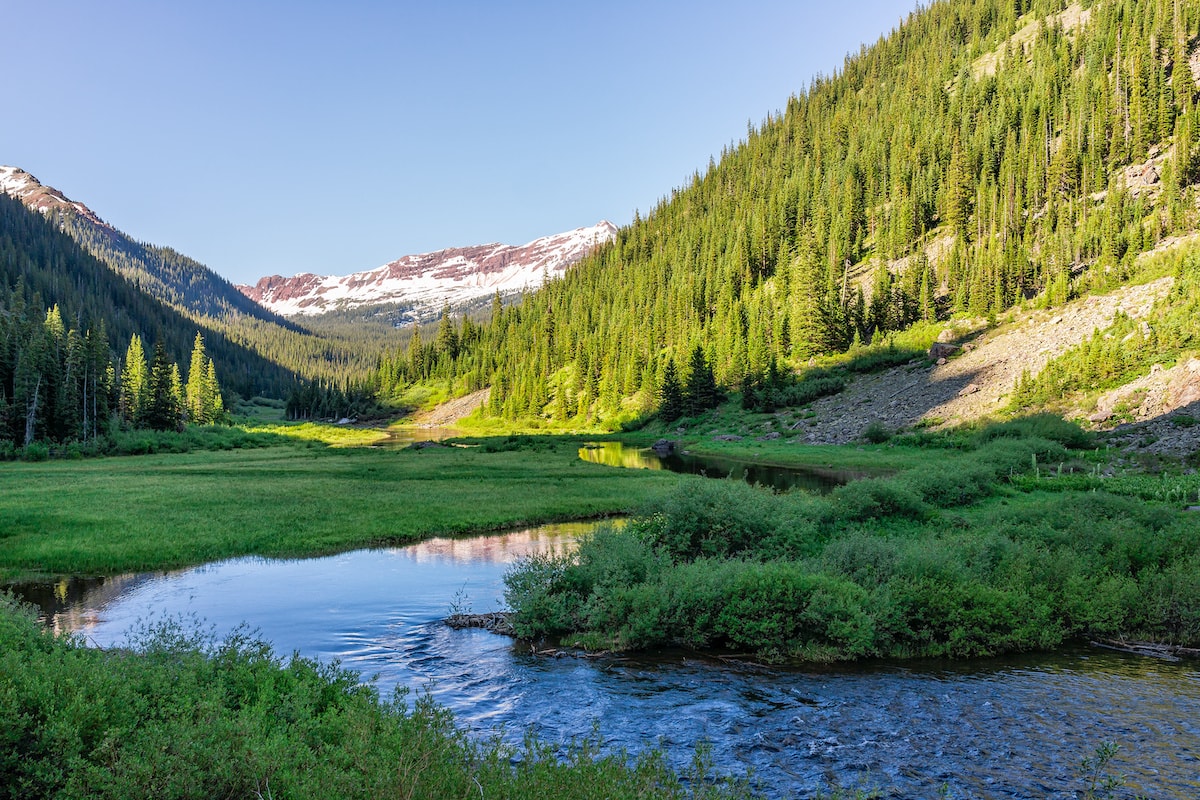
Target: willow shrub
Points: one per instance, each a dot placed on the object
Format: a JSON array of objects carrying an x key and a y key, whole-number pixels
[{"x": 987, "y": 548}]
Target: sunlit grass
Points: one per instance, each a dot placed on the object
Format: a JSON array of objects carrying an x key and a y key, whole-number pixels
[
  {"x": 326, "y": 433},
  {"x": 102, "y": 516}
]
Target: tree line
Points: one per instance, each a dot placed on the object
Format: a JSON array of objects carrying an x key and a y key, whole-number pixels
[
  {"x": 985, "y": 153},
  {"x": 60, "y": 381}
]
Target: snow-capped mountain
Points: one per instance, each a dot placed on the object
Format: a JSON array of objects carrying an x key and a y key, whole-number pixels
[
  {"x": 18, "y": 183},
  {"x": 426, "y": 282}
]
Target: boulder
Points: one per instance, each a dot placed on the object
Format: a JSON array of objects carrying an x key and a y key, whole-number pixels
[
  {"x": 663, "y": 447},
  {"x": 970, "y": 388},
  {"x": 942, "y": 350}
]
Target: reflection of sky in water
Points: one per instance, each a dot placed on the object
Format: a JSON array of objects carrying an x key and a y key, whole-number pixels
[
  {"x": 1015, "y": 727},
  {"x": 808, "y": 479}
]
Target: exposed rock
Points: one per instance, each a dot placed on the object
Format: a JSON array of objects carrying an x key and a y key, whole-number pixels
[
  {"x": 497, "y": 622},
  {"x": 425, "y": 445},
  {"x": 970, "y": 388},
  {"x": 1157, "y": 394},
  {"x": 769, "y": 436},
  {"x": 901, "y": 396},
  {"x": 941, "y": 350},
  {"x": 663, "y": 447},
  {"x": 727, "y": 437}
]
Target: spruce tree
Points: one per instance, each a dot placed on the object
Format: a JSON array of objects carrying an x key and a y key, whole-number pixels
[
  {"x": 196, "y": 404},
  {"x": 700, "y": 392},
  {"x": 133, "y": 381},
  {"x": 162, "y": 410},
  {"x": 670, "y": 394}
]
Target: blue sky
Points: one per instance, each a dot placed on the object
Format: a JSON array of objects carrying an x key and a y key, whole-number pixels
[{"x": 281, "y": 137}]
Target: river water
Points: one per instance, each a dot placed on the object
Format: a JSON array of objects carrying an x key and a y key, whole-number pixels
[
  {"x": 1015, "y": 727},
  {"x": 776, "y": 478}
]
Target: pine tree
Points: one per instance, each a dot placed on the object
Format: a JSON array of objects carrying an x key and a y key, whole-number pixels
[
  {"x": 133, "y": 381},
  {"x": 161, "y": 411},
  {"x": 700, "y": 391},
  {"x": 195, "y": 402},
  {"x": 670, "y": 394},
  {"x": 214, "y": 405}
]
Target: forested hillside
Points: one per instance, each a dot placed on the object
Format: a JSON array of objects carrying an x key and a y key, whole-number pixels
[
  {"x": 985, "y": 152},
  {"x": 42, "y": 267},
  {"x": 337, "y": 356}
]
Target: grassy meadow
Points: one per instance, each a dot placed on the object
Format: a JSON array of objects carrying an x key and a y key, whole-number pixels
[{"x": 108, "y": 515}]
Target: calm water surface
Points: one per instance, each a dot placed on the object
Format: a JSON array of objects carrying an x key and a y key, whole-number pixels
[
  {"x": 999, "y": 728},
  {"x": 780, "y": 479}
]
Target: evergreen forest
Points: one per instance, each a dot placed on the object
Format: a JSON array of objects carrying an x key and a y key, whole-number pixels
[{"x": 984, "y": 154}]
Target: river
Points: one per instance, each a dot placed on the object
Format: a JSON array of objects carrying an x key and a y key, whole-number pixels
[{"x": 1015, "y": 727}]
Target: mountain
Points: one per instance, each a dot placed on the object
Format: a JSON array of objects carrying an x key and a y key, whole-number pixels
[
  {"x": 166, "y": 274},
  {"x": 271, "y": 351},
  {"x": 986, "y": 154},
  {"x": 42, "y": 266},
  {"x": 18, "y": 183},
  {"x": 424, "y": 283}
]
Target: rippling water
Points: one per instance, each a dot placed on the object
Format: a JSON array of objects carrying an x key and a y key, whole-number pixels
[{"x": 1000, "y": 728}]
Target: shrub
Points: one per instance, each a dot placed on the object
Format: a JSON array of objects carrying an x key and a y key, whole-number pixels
[
  {"x": 782, "y": 605},
  {"x": 875, "y": 498},
  {"x": 877, "y": 433},
  {"x": 810, "y": 389},
  {"x": 706, "y": 517},
  {"x": 1043, "y": 426},
  {"x": 35, "y": 451}
]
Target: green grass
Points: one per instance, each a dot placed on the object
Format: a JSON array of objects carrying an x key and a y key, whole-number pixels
[
  {"x": 323, "y": 432},
  {"x": 179, "y": 715},
  {"x": 111, "y": 515}
]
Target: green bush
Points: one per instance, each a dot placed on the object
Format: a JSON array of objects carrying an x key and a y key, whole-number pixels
[
  {"x": 705, "y": 517},
  {"x": 877, "y": 433},
  {"x": 875, "y": 498},
  {"x": 1043, "y": 426},
  {"x": 35, "y": 451},
  {"x": 781, "y": 606}
]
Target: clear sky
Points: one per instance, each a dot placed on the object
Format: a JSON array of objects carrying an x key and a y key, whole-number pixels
[{"x": 265, "y": 137}]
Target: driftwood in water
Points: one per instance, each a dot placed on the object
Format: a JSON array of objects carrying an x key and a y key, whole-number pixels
[
  {"x": 496, "y": 622},
  {"x": 1169, "y": 652}
]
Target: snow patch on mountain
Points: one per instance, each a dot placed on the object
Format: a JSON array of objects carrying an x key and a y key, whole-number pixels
[
  {"x": 18, "y": 183},
  {"x": 428, "y": 281}
]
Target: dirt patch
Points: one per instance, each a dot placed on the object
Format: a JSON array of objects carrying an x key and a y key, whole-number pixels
[
  {"x": 450, "y": 412},
  {"x": 1070, "y": 19},
  {"x": 976, "y": 383}
]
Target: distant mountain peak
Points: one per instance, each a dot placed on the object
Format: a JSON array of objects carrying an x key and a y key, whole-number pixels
[
  {"x": 18, "y": 183},
  {"x": 427, "y": 281}
]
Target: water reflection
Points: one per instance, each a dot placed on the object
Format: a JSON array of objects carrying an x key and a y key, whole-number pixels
[
  {"x": 779, "y": 479},
  {"x": 400, "y": 437},
  {"x": 1012, "y": 727}
]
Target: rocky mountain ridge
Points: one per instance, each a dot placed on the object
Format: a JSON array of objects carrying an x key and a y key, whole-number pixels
[
  {"x": 427, "y": 281},
  {"x": 18, "y": 183}
]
